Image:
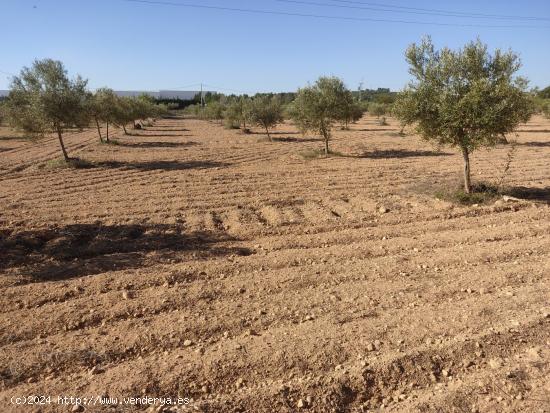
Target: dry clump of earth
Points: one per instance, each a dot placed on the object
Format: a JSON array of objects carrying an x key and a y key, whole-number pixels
[{"x": 193, "y": 261}]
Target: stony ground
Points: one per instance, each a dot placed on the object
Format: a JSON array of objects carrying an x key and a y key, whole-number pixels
[{"x": 248, "y": 276}]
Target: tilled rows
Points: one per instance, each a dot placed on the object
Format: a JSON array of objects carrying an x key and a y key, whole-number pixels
[{"x": 196, "y": 261}]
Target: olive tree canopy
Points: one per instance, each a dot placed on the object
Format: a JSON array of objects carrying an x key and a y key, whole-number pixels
[
  {"x": 43, "y": 99},
  {"x": 103, "y": 108},
  {"x": 2, "y": 112},
  {"x": 317, "y": 107},
  {"x": 266, "y": 111},
  {"x": 131, "y": 109},
  {"x": 238, "y": 112},
  {"x": 466, "y": 98}
]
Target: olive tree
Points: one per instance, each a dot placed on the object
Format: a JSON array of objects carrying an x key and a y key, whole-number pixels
[
  {"x": 131, "y": 110},
  {"x": 466, "y": 98},
  {"x": 160, "y": 110},
  {"x": 124, "y": 112},
  {"x": 317, "y": 107},
  {"x": 142, "y": 108},
  {"x": 404, "y": 109},
  {"x": 214, "y": 111},
  {"x": 352, "y": 111},
  {"x": 2, "y": 112},
  {"x": 377, "y": 109},
  {"x": 238, "y": 112},
  {"x": 103, "y": 108},
  {"x": 266, "y": 112},
  {"x": 43, "y": 99},
  {"x": 147, "y": 108}
]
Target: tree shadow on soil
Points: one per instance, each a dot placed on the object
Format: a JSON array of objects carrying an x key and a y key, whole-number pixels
[
  {"x": 78, "y": 250},
  {"x": 156, "y": 144},
  {"x": 291, "y": 139},
  {"x": 154, "y": 165},
  {"x": 273, "y": 133},
  {"x": 14, "y": 138},
  {"x": 374, "y": 129},
  {"x": 152, "y": 135},
  {"x": 166, "y": 130},
  {"x": 534, "y": 144},
  {"x": 399, "y": 153},
  {"x": 533, "y": 194}
]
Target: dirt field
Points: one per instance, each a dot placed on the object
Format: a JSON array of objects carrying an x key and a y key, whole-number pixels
[{"x": 199, "y": 262}]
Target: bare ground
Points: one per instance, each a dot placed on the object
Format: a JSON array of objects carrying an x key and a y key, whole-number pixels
[{"x": 195, "y": 261}]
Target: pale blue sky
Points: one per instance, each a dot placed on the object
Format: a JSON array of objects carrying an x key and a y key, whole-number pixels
[{"x": 149, "y": 46}]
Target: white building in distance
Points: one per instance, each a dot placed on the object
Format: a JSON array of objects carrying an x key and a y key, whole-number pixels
[{"x": 161, "y": 94}]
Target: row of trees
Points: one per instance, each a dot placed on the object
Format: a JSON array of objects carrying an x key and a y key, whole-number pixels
[
  {"x": 43, "y": 99},
  {"x": 466, "y": 98},
  {"x": 268, "y": 110}
]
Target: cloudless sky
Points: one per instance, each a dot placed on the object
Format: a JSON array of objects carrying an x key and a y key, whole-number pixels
[{"x": 143, "y": 46}]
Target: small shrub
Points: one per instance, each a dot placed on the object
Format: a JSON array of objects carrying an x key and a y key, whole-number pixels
[
  {"x": 507, "y": 164},
  {"x": 113, "y": 142},
  {"x": 318, "y": 153},
  {"x": 230, "y": 124},
  {"x": 481, "y": 193},
  {"x": 312, "y": 154}
]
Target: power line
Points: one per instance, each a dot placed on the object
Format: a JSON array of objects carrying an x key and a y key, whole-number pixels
[
  {"x": 407, "y": 10},
  {"x": 456, "y": 13},
  {"x": 320, "y": 16}
]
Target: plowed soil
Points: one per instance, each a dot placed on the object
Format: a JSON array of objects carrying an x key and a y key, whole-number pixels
[{"x": 193, "y": 261}]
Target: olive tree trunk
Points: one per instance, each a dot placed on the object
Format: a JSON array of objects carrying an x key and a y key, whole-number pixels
[
  {"x": 268, "y": 135},
  {"x": 326, "y": 137},
  {"x": 467, "y": 180},
  {"x": 60, "y": 137},
  {"x": 98, "y": 130},
  {"x": 124, "y": 128},
  {"x": 107, "y": 135}
]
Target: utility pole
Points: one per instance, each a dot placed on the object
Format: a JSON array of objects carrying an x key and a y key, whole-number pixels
[{"x": 202, "y": 97}]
